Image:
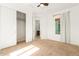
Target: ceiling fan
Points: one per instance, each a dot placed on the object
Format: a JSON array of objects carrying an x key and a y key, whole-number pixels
[{"x": 43, "y": 4}]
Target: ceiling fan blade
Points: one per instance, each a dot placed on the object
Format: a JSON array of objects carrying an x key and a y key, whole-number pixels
[
  {"x": 46, "y": 4},
  {"x": 38, "y": 6}
]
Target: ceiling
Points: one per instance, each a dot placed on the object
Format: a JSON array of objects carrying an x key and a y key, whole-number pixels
[{"x": 53, "y": 7}]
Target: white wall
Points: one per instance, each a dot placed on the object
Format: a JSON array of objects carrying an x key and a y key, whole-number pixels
[
  {"x": 29, "y": 26},
  {"x": 7, "y": 27},
  {"x": 74, "y": 22},
  {"x": 43, "y": 26}
]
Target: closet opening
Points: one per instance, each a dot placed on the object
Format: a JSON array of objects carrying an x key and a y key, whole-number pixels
[
  {"x": 21, "y": 27},
  {"x": 37, "y": 28}
]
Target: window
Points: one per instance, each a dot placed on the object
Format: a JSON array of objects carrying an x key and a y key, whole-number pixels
[{"x": 57, "y": 25}]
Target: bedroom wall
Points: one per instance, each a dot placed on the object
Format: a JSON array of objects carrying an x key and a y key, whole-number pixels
[
  {"x": 7, "y": 27},
  {"x": 74, "y": 23},
  {"x": 29, "y": 33}
]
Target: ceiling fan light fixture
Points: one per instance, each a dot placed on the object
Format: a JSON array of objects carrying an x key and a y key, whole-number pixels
[{"x": 43, "y": 4}]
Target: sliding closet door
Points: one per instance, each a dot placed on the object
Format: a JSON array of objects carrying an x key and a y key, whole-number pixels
[{"x": 21, "y": 27}]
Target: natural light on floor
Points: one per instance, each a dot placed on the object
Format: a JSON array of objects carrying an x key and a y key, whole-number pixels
[{"x": 27, "y": 51}]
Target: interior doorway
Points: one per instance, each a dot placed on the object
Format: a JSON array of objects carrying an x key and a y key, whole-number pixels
[
  {"x": 37, "y": 29},
  {"x": 21, "y": 27}
]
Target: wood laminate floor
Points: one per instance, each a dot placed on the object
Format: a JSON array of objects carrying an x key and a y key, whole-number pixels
[{"x": 43, "y": 48}]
